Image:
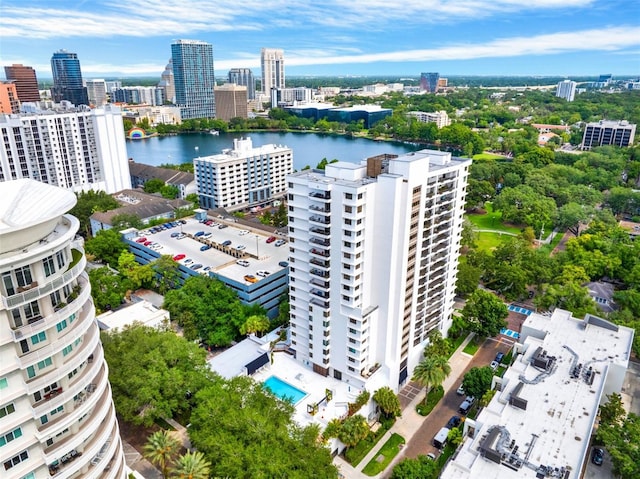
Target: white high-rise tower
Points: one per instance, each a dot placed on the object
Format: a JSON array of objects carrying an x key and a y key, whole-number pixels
[
  {"x": 56, "y": 414},
  {"x": 373, "y": 262},
  {"x": 272, "y": 64}
]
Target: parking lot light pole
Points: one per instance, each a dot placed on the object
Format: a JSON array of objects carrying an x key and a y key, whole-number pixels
[{"x": 257, "y": 250}]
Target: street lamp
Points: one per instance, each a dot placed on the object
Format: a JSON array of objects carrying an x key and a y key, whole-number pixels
[{"x": 257, "y": 250}]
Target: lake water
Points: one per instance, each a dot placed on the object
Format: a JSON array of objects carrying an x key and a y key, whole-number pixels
[{"x": 308, "y": 148}]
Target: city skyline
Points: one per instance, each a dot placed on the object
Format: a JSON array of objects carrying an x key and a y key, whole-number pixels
[{"x": 501, "y": 37}]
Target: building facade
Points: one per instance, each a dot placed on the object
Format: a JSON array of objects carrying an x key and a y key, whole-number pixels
[
  {"x": 440, "y": 118},
  {"x": 167, "y": 83},
  {"x": 231, "y": 101},
  {"x": 58, "y": 418},
  {"x": 97, "y": 92},
  {"x": 606, "y": 132},
  {"x": 24, "y": 77},
  {"x": 244, "y": 77},
  {"x": 139, "y": 95},
  {"x": 67, "y": 79},
  {"x": 281, "y": 97},
  {"x": 566, "y": 89},
  {"x": 272, "y": 64},
  {"x": 243, "y": 177},
  {"x": 373, "y": 262},
  {"x": 194, "y": 78},
  {"x": 429, "y": 82},
  {"x": 9, "y": 101},
  {"x": 78, "y": 150}
]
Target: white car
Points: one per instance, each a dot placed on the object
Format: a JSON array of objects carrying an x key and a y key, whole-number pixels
[
  {"x": 240, "y": 247},
  {"x": 242, "y": 262},
  {"x": 243, "y": 232},
  {"x": 188, "y": 261},
  {"x": 262, "y": 273},
  {"x": 206, "y": 235},
  {"x": 280, "y": 242}
]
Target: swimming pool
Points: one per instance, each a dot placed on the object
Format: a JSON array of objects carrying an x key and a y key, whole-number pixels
[
  {"x": 509, "y": 332},
  {"x": 518, "y": 309},
  {"x": 284, "y": 390}
]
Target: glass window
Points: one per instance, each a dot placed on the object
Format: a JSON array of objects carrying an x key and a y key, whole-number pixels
[
  {"x": 10, "y": 436},
  {"x": 61, "y": 325},
  {"x": 60, "y": 258},
  {"x": 6, "y": 410},
  {"x": 31, "y": 310},
  {"x": 23, "y": 276},
  {"x": 8, "y": 284},
  {"x": 49, "y": 267},
  {"x": 3, "y": 383},
  {"x": 37, "y": 338},
  {"x": 15, "y": 460},
  {"x": 31, "y": 372}
]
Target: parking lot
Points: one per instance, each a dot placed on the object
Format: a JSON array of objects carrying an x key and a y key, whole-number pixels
[{"x": 260, "y": 255}]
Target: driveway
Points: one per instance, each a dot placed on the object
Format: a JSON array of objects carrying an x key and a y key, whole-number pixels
[
  {"x": 421, "y": 442},
  {"x": 599, "y": 472}
]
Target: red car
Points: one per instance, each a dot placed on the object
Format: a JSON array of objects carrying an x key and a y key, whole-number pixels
[
  {"x": 141, "y": 240},
  {"x": 271, "y": 239},
  {"x": 178, "y": 257},
  {"x": 148, "y": 243}
]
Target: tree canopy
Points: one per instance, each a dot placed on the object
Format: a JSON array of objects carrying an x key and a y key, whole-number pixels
[
  {"x": 477, "y": 381},
  {"x": 485, "y": 312}
]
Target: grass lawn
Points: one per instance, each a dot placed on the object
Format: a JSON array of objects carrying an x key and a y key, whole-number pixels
[
  {"x": 355, "y": 454},
  {"x": 491, "y": 220},
  {"x": 487, "y": 156},
  {"x": 389, "y": 450},
  {"x": 456, "y": 342},
  {"x": 472, "y": 347},
  {"x": 548, "y": 248},
  {"x": 432, "y": 399},
  {"x": 489, "y": 241}
]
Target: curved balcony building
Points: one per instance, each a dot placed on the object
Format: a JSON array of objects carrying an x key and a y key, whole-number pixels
[{"x": 57, "y": 418}]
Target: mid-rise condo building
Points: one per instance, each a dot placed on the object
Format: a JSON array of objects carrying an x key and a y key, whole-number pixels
[
  {"x": 24, "y": 77},
  {"x": 607, "y": 132},
  {"x": 244, "y": 77},
  {"x": 77, "y": 149},
  {"x": 243, "y": 177},
  {"x": 373, "y": 262},
  {"x": 566, "y": 89},
  {"x": 57, "y": 417}
]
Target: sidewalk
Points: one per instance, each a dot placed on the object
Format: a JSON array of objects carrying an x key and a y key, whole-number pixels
[{"x": 410, "y": 421}]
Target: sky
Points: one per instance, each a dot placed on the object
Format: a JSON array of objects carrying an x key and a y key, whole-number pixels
[{"x": 127, "y": 38}]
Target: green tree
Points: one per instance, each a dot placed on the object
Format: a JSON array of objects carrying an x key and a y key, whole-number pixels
[
  {"x": 332, "y": 429},
  {"x": 91, "y": 202},
  {"x": 468, "y": 278},
  {"x": 455, "y": 437},
  {"x": 354, "y": 429},
  {"x": 387, "y": 401},
  {"x": 431, "y": 371},
  {"x": 153, "y": 373},
  {"x": 571, "y": 215},
  {"x": 192, "y": 465},
  {"x": 124, "y": 221},
  {"x": 422, "y": 467},
  {"x": 438, "y": 346},
  {"x": 170, "y": 192},
  {"x": 620, "y": 433},
  {"x": 161, "y": 449},
  {"x": 154, "y": 185},
  {"x": 255, "y": 324},
  {"x": 166, "y": 272},
  {"x": 106, "y": 246},
  {"x": 477, "y": 381},
  {"x": 138, "y": 275},
  {"x": 485, "y": 312},
  {"x": 108, "y": 288}
]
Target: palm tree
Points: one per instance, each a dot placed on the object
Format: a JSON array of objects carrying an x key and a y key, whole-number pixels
[
  {"x": 161, "y": 448},
  {"x": 255, "y": 324},
  {"x": 192, "y": 465},
  {"x": 431, "y": 372}
]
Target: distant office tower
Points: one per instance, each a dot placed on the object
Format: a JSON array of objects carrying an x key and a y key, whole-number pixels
[
  {"x": 194, "y": 78},
  {"x": 244, "y": 77},
  {"x": 57, "y": 414},
  {"x": 429, "y": 82},
  {"x": 24, "y": 78},
  {"x": 281, "y": 97},
  {"x": 606, "y": 132},
  {"x": 79, "y": 150},
  {"x": 97, "y": 92},
  {"x": 244, "y": 176},
  {"x": 375, "y": 248},
  {"x": 566, "y": 89},
  {"x": 167, "y": 82},
  {"x": 272, "y": 64},
  {"x": 138, "y": 95},
  {"x": 231, "y": 101},
  {"x": 67, "y": 79},
  {"x": 9, "y": 102}
]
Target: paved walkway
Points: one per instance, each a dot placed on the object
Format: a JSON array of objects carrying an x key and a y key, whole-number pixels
[{"x": 409, "y": 422}]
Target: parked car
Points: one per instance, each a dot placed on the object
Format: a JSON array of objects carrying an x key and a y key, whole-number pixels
[
  {"x": 221, "y": 227},
  {"x": 240, "y": 247},
  {"x": 206, "y": 235},
  {"x": 263, "y": 273},
  {"x": 178, "y": 257},
  {"x": 141, "y": 240},
  {"x": 250, "y": 278},
  {"x": 180, "y": 236},
  {"x": 453, "y": 422},
  {"x": 280, "y": 242},
  {"x": 284, "y": 264},
  {"x": 597, "y": 456},
  {"x": 243, "y": 262},
  {"x": 226, "y": 243},
  {"x": 460, "y": 391},
  {"x": 243, "y": 232},
  {"x": 188, "y": 261},
  {"x": 196, "y": 266},
  {"x": 271, "y": 239},
  {"x": 499, "y": 358},
  {"x": 183, "y": 222},
  {"x": 198, "y": 234},
  {"x": 494, "y": 365},
  {"x": 466, "y": 405},
  {"x": 175, "y": 234},
  {"x": 205, "y": 247},
  {"x": 206, "y": 269}
]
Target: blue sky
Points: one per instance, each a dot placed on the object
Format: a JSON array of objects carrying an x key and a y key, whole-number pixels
[{"x": 120, "y": 38}]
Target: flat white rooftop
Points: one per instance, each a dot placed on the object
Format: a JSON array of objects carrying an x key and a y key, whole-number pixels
[
  {"x": 547, "y": 413},
  {"x": 142, "y": 312}
]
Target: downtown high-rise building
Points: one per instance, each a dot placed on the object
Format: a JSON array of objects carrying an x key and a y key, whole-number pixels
[
  {"x": 373, "y": 261},
  {"x": 429, "y": 82},
  {"x": 9, "y": 101},
  {"x": 566, "y": 89},
  {"x": 25, "y": 80},
  {"x": 272, "y": 64},
  {"x": 67, "y": 79},
  {"x": 57, "y": 417},
  {"x": 194, "y": 78},
  {"x": 78, "y": 149},
  {"x": 167, "y": 83},
  {"x": 97, "y": 92},
  {"x": 231, "y": 101},
  {"x": 244, "y": 77}
]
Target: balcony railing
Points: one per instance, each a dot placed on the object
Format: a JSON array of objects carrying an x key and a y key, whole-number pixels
[
  {"x": 319, "y": 262},
  {"x": 320, "y": 219},
  {"x": 322, "y": 209},
  {"x": 320, "y": 195},
  {"x": 321, "y": 242},
  {"x": 320, "y": 231},
  {"x": 319, "y": 252},
  {"x": 319, "y": 273}
]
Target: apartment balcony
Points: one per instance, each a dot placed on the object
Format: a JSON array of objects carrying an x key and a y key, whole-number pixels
[
  {"x": 322, "y": 209},
  {"x": 320, "y": 294},
  {"x": 321, "y": 242},
  {"x": 37, "y": 292},
  {"x": 320, "y": 220},
  {"x": 319, "y": 273},
  {"x": 320, "y": 231},
  {"x": 321, "y": 263},
  {"x": 368, "y": 372},
  {"x": 320, "y": 252},
  {"x": 320, "y": 284},
  {"x": 319, "y": 303},
  {"x": 320, "y": 195}
]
